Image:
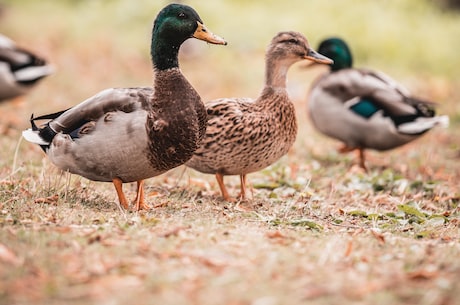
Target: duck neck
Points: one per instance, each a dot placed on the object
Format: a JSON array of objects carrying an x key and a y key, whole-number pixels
[
  {"x": 276, "y": 73},
  {"x": 164, "y": 52}
]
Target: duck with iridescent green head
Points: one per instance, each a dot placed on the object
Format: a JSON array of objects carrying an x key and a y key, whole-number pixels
[
  {"x": 365, "y": 109},
  {"x": 123, "y": 135}
]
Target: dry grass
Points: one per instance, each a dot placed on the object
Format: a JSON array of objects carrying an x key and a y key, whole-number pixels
[{"x": 318, "y": 230}]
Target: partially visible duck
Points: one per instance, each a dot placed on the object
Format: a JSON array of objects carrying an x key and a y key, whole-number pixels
[
  {"x": 124, "y": 135},
  {"x": 366, "y": 109},
  {"x": 20, "y": 70},
  {"x": 245, "y": 135}
]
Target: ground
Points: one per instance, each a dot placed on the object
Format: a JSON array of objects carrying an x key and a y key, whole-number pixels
[{"x": 315, "y": 230}]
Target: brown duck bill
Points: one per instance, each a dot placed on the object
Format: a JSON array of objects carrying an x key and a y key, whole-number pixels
[
  {"x": 203, "y": 33},
  {"x": 318, "y": 58}
]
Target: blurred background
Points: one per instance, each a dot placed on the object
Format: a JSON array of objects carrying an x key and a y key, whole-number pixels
[{"x": 99, "y": 44}]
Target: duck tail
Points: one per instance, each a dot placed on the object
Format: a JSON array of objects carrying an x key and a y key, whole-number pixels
[
  {"x": 34, "y": 135},
  {"x": 423, "y": 124},
  {"x": 423, "y": 107}
]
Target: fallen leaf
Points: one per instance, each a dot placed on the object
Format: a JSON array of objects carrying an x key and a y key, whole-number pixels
[
  {"x": 8, "y": 256},
  {"x": 154, "y": 194},
  {"x": 63, "y": 229},
  {"x": 173, "y": 232},
  {"x": 379, "y": 236},
  {"x": 410, "y": 210},
  {"x": 49, "y": 200},
  {"x": 349, "y": 248},
  {"x": 212, "y": 263},
  {"x": 161, "y": 204},
  {"x": 243, "y": 208},
  {"x": 422, "y": 275},
  {"x": 275, "y": 234}
]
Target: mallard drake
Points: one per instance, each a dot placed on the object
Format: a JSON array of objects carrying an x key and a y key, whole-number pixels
[
  {"x": 364, "y": 108},
  {"x": 246, "y": 135},
  {"x": 20, "y": 70},
  {"x": 124, "y": 135}
]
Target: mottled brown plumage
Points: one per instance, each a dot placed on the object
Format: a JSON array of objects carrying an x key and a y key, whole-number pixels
[{"x": 245, "y": 135}]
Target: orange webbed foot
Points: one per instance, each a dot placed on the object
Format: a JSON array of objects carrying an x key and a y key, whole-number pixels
[{"x": 139, "y": 202}]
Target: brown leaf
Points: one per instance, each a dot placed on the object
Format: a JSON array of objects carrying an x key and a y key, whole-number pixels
[
  {"x": 212, "y": 263},
  {"x": 94, "y": 239},
  {"x": 174, "y": 232},
  {"x": 422, "y": 274},
  {"x": 379, "y": 236},
  {"x": 243, "y": 208},
  {"x": 63, "y": 229},
  {"x": 49, "y": 200},
  {"x": 275, "y": 234},
  {"x": 161, "y": 204},
  {"x": 8, "y": 256},
  {"x": 349, "y": 248},
  {"x": 154, "y": 194}
]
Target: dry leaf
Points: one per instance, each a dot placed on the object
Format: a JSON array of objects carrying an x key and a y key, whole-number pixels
[
  {"x": 173, "y": 232},
  {"x": 8, "y": 256},
  {"x": 215, "y": 264},
  {"x": 63, "y": 229},
  {"x": 379, "y": 236},
  {"x": 49, "y": 200},
  {"x": 161, "y": 204},
  {"x": 243, "y": 208},
  {"x": 275, "y": 234},
  {"x": 422, "y": 275},
  {"x": 349, "y": 248}
]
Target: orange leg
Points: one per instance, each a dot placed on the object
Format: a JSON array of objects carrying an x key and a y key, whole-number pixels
[
  {"x": 223, "y": 190},
  {"x": 345, "y": 149},
  {"x": 243, "y": 186},
  {"x": 139, "y": 201},
  {"x": 362, "y": 159},
  {"x": 119, "y": 188}
]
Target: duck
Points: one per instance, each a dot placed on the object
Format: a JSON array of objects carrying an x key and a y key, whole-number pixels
[
  {"x": 365, "y": 108},
  {"x": 20, "y": 69},
  {"x": 245, "y": 135},
  {"x": 123, "y": 135}
]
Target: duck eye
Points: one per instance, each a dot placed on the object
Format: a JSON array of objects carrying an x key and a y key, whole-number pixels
[
  {"x": 182, "y": 15},
  {"x": 291, "y": 40}
]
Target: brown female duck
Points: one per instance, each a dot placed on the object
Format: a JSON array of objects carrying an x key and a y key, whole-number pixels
[{"x": 245, "y": 135}]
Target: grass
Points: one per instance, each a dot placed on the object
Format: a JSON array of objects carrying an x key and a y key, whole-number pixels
[{"x": 318, "y": 230}]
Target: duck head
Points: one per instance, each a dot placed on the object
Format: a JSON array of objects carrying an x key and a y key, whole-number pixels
[
  {"x": 338, "y": 50},
  {"x": 293, "y": 47},
  {"x": 175, "y": 24}
]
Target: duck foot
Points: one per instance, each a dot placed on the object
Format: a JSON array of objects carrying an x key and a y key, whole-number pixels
[
  {"x": 139, "y": 202},
  {"x": 361, "y": 155}
]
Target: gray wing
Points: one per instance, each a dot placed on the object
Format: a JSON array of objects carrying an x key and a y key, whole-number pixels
[
  {"x": 77, "y": 120},
  {"x": 109, "y": 100},
  {"x": 383, "y": 90}
]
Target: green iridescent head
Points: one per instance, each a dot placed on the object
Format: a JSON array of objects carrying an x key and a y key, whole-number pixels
[
  {"x": 174, "y": 24},
  {"x": 337, "y": 50}
]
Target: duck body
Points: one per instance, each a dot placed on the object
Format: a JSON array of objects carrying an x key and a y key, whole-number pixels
[
  {"x": 20, "y": 70},
  {"x": 245, "y": 135},
  {"x": 150, "y": 136},
  {"x": 366, "y": 109},
  {"x": 130, "y": 134},
  {"x": 251, "y": 127}
]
